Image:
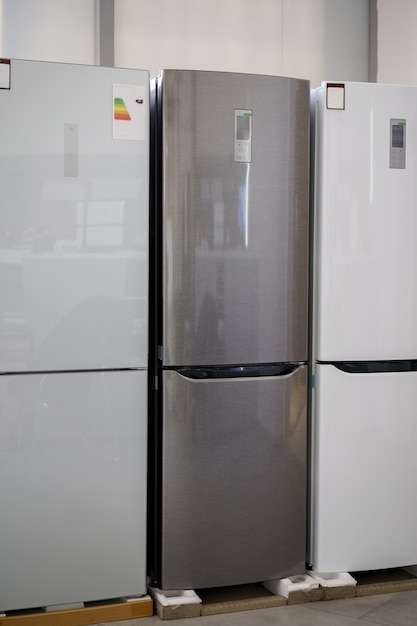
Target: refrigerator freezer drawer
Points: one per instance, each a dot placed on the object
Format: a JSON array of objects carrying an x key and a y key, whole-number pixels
[
  {"x": 72, "y": 487},
  {"x": 364, "y": 465},
  {"x": 234, "y": 479}
]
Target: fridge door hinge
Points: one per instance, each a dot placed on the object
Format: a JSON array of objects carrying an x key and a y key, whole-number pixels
[{"x": 160, "y": 353}]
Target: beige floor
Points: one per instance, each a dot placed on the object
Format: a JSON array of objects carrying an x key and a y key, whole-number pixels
[{"x": 393, "y": 609}]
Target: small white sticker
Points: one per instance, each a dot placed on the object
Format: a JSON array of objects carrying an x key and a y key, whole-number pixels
[
  {"x": 335, "y": 96},
  {"x": 4, "y": 74},
  {"x": 71, "y": 150},
  {"x": 129, "y": 109}
]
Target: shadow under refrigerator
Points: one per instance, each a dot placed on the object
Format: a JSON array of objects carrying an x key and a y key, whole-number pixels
[
  {"x": 231, "y": 271},
  {"x": 364, "y": 466},
  {"x": 74, "y": 168}
]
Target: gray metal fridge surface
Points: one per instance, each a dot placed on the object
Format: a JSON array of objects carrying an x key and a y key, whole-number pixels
[
  {"x": 234, "y": 173},
  {"x": 234, "y": 479},
  {"x": 234, "y": 233}
]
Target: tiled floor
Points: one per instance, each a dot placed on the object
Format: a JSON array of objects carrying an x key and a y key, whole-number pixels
[{"x": 393, "y": 609}]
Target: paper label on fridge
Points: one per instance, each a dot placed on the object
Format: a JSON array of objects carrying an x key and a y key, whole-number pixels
[
  {"x": 129, "y": 112},
  {"x": 4, "y": 74}
]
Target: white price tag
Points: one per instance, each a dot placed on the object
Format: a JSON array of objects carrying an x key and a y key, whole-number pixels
[{"x": 4, "y": 74}]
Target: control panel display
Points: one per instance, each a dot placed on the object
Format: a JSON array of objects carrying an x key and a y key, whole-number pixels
[
  {"x": 397, "y": 143},
  {"x": 243, "y": 135}
]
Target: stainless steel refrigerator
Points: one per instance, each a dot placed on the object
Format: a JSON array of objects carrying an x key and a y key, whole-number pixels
[
  {"x": 230, "y": 291},
  {"x": 74, "y": 186}
]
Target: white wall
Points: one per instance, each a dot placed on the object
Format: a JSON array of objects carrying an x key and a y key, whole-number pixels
[
  {"x": 49, "y": 30},
  {"x": 314, "y": 39},
  {"x": 326, "y": 39},
  {"x": 397, "y": 42},
  {"x": 199, "y": 34}
]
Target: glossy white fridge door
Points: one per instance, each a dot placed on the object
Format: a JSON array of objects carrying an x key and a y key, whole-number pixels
[
  {"x": 364, "y": 470},
  {"x": 73, "y": 459},
  {"x": 73, "y": 218},
  {"x": 366, "y": 226}
]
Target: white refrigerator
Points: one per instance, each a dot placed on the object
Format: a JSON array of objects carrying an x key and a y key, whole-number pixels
[
  {"x": 74, "y": 159},
  {"x": 364, "y": 384}
]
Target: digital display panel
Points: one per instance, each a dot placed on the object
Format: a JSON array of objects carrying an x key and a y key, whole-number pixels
[
  {"x": 397, "y": 140},
  {"x": 242, "y": 127}
]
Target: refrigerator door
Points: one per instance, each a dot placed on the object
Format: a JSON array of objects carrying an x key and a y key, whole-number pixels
[
  {"x": 73, "y": 218},
  {"x": 364, "y": 469},
  {"x": 73, "y": 487},
  {"x": 366, "y": 225},
  {"x": 235, "y": 173},
  {"x": 234, "y": 479}
]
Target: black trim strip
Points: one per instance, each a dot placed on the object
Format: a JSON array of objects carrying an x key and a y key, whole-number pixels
[
  {"x": 369, "y": 367},
  {"x": 83, "y": 371},
  {"x": 238, "y": 371}
]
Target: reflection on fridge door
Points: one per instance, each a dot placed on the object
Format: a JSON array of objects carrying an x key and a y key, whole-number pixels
[
  {"x": 231, "y": 274},
  {"x": 73, "y": 337}
]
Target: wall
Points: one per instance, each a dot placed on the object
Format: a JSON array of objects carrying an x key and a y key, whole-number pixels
[
  {"x": 203, "y": 34},
  {"x": 49, "y": 30},
  {"x": 326, "y": 39},
  {"x": 314, "y": 39},
  {"x": 397, "y": 42}
]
